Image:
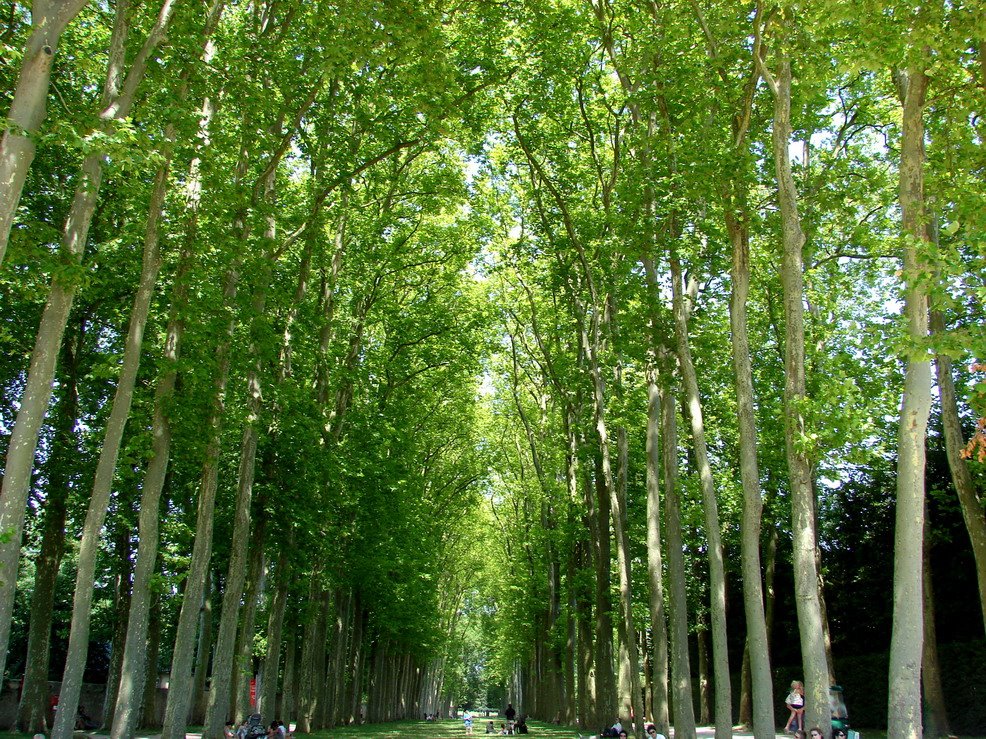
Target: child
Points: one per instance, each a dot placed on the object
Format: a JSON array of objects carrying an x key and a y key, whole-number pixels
[{"x": 795, "y": 702}]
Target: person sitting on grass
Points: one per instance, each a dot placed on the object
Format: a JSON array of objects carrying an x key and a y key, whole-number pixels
[{"x": 613, "y": 730}]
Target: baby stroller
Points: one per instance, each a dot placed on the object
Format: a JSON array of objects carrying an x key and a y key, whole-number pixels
[{"x": 255, "y": 727}]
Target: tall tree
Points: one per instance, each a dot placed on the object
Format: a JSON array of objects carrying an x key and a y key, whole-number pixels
[
  {"x": 806, "y": 576},
  {"x": 119, "y": 94},
  {"x": 904, "y": 711},
  {"x": 33, "y": 708},
  {"x": 692, "y": 407}
]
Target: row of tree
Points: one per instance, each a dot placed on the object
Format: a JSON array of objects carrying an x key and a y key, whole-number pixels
[
  {"x": 261, "y": 257},
  {"x": 730, "y": 239},
  {"x": 246, "y": 429}
]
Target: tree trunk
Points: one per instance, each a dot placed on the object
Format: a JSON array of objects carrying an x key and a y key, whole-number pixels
[
  {"x": 180, "y": 690},
  {"x": 121, "y": 607},
  {"x": 118, "y": 102},
  {"x": 822, "y": 607},
  {"x": 655, "y": 566},
  {"x": 972, "y": 509},
  {"x": 717, "y": 571},
  {"x": 605, "y": 699},
  {"x": 243, "y": 665},
  {"x": 200, "y": 696},
  {"x": 34, "y": 706},
  {"x": 569, "y": 700},
  {"x": 904, "y": 706},
  {"x": 219, "y": 696},
  {"x": 133, "y": 668},
  {"x": 287, "y": 711},
  {"x": 37, "y": 392},
  {"x": 935, "y": 715},
  {"x": 149, "y": 703},
  {"x": 629, "y": 646},
  {"x": 757, "y": 698},
  {"x": 745, "y": 717},
  {"x": 196, "y": 610},
  {"x": 704, "y": 681},
  {"x": 267, "y": 697},
  {"x": 28, "y": 106},
  {"x": 355, "y": 692},
  {"x": 336, "y": 674},
  {"x": 805, "y": 538},
  {"x": 681, "y": 674},
  {"x": 585, "y": 711},
  {"x": 308, "y": 692},
  {"x": 127, "y": 708}
]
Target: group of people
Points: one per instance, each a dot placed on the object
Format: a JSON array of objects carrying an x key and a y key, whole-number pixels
[
  {"x": 795, "y": 703},
  {"x": 509, "y": 728},
  {"x": 617, "y": 730},
  {"x": 253, "y": 727},
  {"x": 816, "y": 733}
]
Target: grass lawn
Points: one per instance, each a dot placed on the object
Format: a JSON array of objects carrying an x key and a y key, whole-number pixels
[
  {"x": 439, "y": 730},
  {"x": 453, "y": 729}
]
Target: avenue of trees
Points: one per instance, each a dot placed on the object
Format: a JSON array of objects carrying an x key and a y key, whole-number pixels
[{"x": 627, "y": 352}]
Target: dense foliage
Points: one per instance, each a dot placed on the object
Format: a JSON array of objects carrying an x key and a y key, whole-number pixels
[{"x": 391, "y": 356}]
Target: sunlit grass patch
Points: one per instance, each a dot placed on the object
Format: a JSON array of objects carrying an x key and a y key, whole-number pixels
[{"x": 440, "y": 730}]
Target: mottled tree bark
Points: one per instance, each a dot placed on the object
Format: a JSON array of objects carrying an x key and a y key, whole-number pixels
[
  {"x": 906, "y": 643},
  {"x": 969, "y": 501},
  {"x": 267, "y": 697},
  {"x": 803, "y": 521},
  {"x": 936, "y": 714},
  {"x": 118, "y": 98},
  {"x": 33, "y": 708},
  {"x": 200, "y": 696},
  {"x": 655, "y": 567},
  {"x": 29, "y": 104},
  {"x": 681, "y": 681},
  {"x": 692, "y": 407}
]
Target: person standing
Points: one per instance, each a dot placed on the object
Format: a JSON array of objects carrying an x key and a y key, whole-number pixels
[
  {"x": 795, "y": 702},
  {"x": 467, "y": 721}
]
